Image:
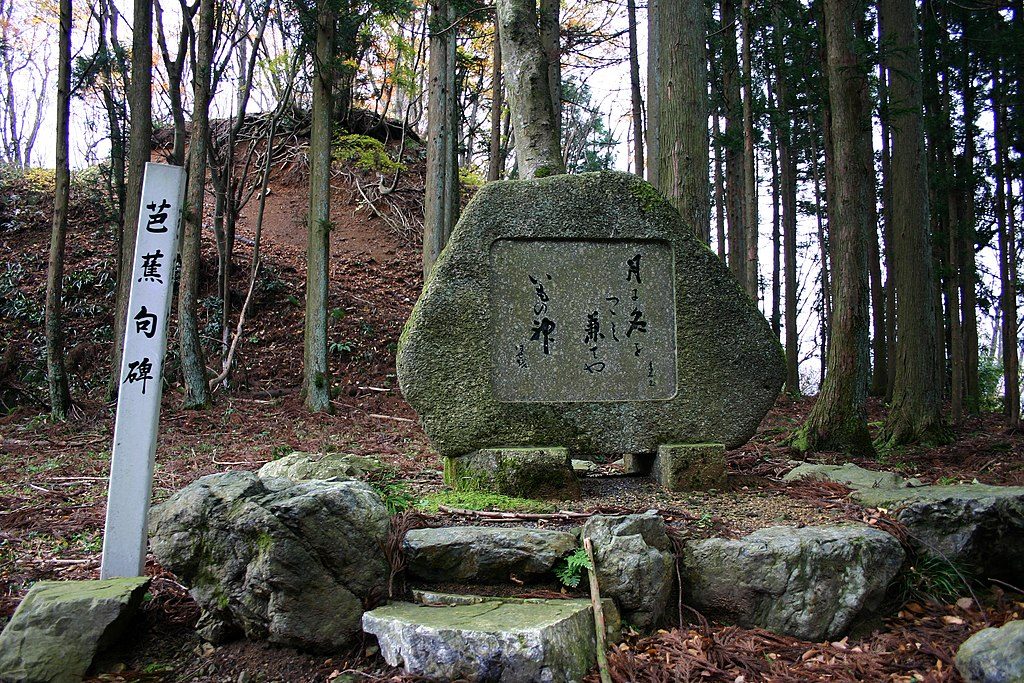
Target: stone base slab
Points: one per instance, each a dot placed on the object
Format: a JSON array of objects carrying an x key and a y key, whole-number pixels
[{"x": 689, "y": 467}]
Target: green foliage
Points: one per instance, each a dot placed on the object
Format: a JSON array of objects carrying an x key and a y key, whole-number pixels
[
  {"x": 471, "y": 179},
  {"x": 366, "y": 153},
  {"x": 935, "y": 579},
  {"x": 570, "y": 570},
  {"x": 388, "y": 484},
  {"x": 586, "y": 138},
  {"x": 478, "y": 500},
  {"x": 990, "y": 374},
  {"x": 338, "y": 348}
]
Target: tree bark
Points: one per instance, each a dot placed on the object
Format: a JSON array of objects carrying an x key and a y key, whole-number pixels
[
  {"x": 916, "y": 398},
  {"x": 495, "y": 165},
  {"x": 890, "y": 278},
  {"x": 733, "y": 144},
  {"x": 838, "y": 420},
  {"x": 719, "y": 191},
  {"x": 193, "y": 361},
  {"x": 677, "y": 133},
  {"x": 968, "y": 237},
  {"x": 57, "y": 378},
  {"x": 549, "y": 17},
  {"x": 749, "y": 161},
  {"x": 316, "y": 384},
  {"x": 525, "y": 68},
  {"x": 140, "y": 140},
  {"x": 634, "y": 89},
  {"x": 441, "y": 192},
  {"x": 1007, "y": 257}
]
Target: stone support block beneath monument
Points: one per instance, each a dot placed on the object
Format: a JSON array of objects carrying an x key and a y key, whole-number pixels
[
  {"x": 686, "y": 467},
  {"x": 543, "y": 473}
]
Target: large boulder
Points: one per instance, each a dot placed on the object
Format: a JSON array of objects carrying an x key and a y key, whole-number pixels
[
  {"x": 811, "y": 583},
  {"x": 547, "y": 641},
  {"x": 484, "y": 554},
  {"x": 979, "y": 526},
  {"x": 580, "y": 311},
  {"x": 993, "y": 655},
  {"x": 293, "y": 563},
  {"x": 60, "y": 626},
  {"x": 299, "y": 466},
  {"x": 635, "y": 564}
]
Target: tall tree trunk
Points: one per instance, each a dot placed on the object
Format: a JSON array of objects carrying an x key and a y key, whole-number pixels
[
  {"x": 441, "y": 193},
  {"x": 56, "y": 375},
  {"x": 1007, "y": 257},
  {"x": 140, "y": 140},
  {"x": 495, "y": 165},
  {"x": 193, "y": 361},
  {"x": 749, "y": 162},
  {"x": 787, "y": 188},
  {"x": 719, "y": 190},
  {"x": 916, "y": 397},
  {"x": 823, "y": 250},
  {"x": 677, "y": 134},
  {"x": 838, "y": 420},
  {"x": 773, "y": 144},
  {"x": 890, "y": 278},
  {"x": 968, "y": 237},
  {"x": 733, "y": 143},
  {"x": 879, "y": 368},
  {"x": 316, "y": 383},
  {"x": 549, "y": 17},
  {"x": 634, "y": 89},
  {"x": 525, "y": 69}
]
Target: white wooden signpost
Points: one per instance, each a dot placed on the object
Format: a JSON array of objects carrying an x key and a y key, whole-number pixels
[{"x": 145, "y": 340}]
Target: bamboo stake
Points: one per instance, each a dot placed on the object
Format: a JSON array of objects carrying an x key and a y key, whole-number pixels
[{"x": 599, "y": 625}]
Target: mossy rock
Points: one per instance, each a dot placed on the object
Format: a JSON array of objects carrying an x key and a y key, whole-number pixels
[
  {"x": 538, "y": 473},
  {"x": 719, "y": 366}
]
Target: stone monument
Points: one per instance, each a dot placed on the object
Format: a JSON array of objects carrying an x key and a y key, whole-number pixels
[{"x": 578, "y": 316}]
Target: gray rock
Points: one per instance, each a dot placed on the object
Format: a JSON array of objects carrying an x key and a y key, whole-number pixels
[
  {"x": 723, "y": 384},
  {"x": 541, "y": 473},
  {"x": 60, "y": 626},
  {"x": 993, "y": 655},
  {"x": 300, "y": 466},
  {"x": 972, "y": 524},
  {"x": 635, "y": 565},
  {"x": 543, "y": 640},
  {"x": 484, "y": 554},
  {"x": 811, "y": 583},
  {"x": 585, "y": 467},
  {"x": 289, "y": 562},
  {"x": 849, "y": 474}
]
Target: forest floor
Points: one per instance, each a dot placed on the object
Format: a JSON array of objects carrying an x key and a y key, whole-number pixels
[{"x": 53, "y": 475}]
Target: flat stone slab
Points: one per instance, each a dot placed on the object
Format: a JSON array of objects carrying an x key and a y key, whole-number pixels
[
  {"x": 974, "y": 524},
  {"x": 485, "y": 554},
  {"x": 543, "y": 640},
  {"x": 852, "y": 475},
  {"x": 580, "y": 311},
  {"x": 60, "y": 626},
  {"x": 541, "y": 473},
  {"x": 811, "y": 583}
]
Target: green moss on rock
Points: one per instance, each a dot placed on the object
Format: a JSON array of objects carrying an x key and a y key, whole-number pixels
[{"x": 539, "y": 473}]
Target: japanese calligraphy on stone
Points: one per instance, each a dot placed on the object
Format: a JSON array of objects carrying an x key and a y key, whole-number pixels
[{"x": 582, "y": 320}]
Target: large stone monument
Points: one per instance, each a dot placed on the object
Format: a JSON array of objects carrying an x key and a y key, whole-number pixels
[{"x": 578, "y": 316}]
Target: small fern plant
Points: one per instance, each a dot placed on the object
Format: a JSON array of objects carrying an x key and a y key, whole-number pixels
[{"x": 570, "y": 570}]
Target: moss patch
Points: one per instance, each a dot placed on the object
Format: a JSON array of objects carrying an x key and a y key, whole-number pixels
[{"x": 478, "y": 500}]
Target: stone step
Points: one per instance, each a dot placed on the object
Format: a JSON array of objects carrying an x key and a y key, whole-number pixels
[
  {"x": 486, "y": 639},
  {"x": 485, "y": 554}
]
